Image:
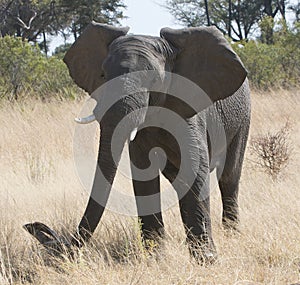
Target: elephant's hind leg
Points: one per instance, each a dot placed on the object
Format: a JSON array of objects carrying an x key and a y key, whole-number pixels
[
  {"x": 230, "y": 178},
  {"x": 147, "y": 192}
]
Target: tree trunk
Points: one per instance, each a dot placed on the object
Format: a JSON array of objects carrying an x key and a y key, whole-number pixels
[
  {"x": 74, "y": 30},
  {"x": 207, "y": 12},
  {"x": 268, "y": 7},
  {"x": 281, "y": 7},
  {"x": 45, "y": 43},
  {"x": 229, "y": 17},
  {"x": 240, "y": 34}
]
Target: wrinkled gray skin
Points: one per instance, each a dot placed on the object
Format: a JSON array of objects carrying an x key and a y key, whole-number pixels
[{"x": 201, "y": 55}]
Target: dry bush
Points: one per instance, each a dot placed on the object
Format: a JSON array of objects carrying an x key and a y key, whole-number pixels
[{"x": 272, "y": 150}]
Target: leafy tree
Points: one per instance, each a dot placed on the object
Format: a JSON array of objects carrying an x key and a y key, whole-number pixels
[
  {"x": 190, "y": 13},
  {"x": 61, "y": 50},
  {"x": 261, "y": 61},
  {"x": 276, "y": 65},
  {"x": 289, "y": 53},
  {"x": 19, "y": 63},
  {"x": 79, "y": 13},
  {"x": 272, "y": 7},
  {"x": 25, "y": 71},
  {"x": 236, "y": 18},
  {"x": 33, "y": 20},
  {"x": 296, "y": 9},
  {"x": 29, "y": 19}
]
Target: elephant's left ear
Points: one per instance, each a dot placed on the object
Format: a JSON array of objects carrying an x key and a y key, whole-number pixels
[
  {"x": 85, "y": 57},
  {"x": 206, "y": 58}
]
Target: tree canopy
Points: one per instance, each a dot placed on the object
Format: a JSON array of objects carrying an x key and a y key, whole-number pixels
[
  {"x": 239, "y": 19},
  {"x": 81, "y": 12},
  {"x": 33, "y": 20}
]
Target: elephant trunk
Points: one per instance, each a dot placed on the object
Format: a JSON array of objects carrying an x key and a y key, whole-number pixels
[
  {"x": 114, "y": 133},
  {"x": 103, "y": 180}
]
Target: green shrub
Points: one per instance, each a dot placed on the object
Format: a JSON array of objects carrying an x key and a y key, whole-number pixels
[
  {"x": 61, "y": 50},
  {"x": 274, "y": 65},
  {"x": 260, "y": 61},
  {"x": 289, "y": 58},
  {"x": 25, "y": 71}
]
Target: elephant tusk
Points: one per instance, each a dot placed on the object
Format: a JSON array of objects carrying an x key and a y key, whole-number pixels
[
  {"x": 86, "y": 120},
  {"x": 133, "y": 134}
]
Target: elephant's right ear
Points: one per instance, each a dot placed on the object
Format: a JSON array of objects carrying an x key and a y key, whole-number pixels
[
  {"x": 206, "y": 58},
  {"x": 85, "y": 57}
]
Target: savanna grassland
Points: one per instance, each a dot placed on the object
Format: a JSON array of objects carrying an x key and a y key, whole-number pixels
[{"x": 38, "y": 182}]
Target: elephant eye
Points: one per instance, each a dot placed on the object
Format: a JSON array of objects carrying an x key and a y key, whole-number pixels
[{"x": 103, "y": 75}]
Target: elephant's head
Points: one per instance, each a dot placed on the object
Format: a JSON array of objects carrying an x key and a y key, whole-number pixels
[
  {"x": 201, "y": 55},
  {"x": 103, "y": 53}
]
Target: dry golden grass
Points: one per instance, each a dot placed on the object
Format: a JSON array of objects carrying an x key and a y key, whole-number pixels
[{"x": 39, "y": 183}]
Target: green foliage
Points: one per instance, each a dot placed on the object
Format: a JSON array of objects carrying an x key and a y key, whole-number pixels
[
  {"x": 190, "y": 13},
  {"x": 261, "y": 61},
  {"x": 239, "y": 19},
  {"x": 289, "y": 58},
  {"x": 28, "y": 18},
  {"x": 25, "y": 71},
  {"x": 273, "y": 59},
  {"x": 61, "y": 50},
  {"x": 79, "y": 13},
  {"x": 276, "y": 65},
  {"x": 34, "y": 20},
  {"x": 266, "y": 25},
  {"x": 243, "y": 17}
]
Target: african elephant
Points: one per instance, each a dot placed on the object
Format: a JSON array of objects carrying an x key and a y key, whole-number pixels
[{"x": 204, "y": 57}]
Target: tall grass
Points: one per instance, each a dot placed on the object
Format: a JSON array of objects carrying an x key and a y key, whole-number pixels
[{"x": 39, "y": 183}]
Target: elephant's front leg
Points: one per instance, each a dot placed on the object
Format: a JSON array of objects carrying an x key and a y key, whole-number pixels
[
  {"x": 146, "y": 185},
  {"x": 195, "y": 212}
]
